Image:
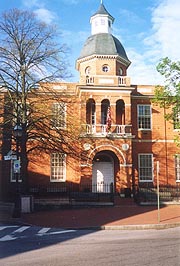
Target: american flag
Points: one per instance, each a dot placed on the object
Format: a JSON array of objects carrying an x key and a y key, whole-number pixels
[{"x": 108, "y": 119}]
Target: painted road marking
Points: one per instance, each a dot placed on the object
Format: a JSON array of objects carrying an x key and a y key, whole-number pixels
[
  {"x": 61, "y": 232},
  {"x": 43, "y": 230},
  {"x": 7, "y": 238},
  {"x": 16, "y": 234},
  {"x": 21, "y": 229}
]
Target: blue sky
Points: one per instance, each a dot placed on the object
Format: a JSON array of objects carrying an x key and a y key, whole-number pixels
[{"x": 148, "y": 29}]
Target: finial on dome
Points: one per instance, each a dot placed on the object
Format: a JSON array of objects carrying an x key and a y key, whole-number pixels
[{"x": 101, "y": 2}]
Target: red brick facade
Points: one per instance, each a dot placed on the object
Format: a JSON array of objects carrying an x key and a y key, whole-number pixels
[{"x": 124, "y": 155}]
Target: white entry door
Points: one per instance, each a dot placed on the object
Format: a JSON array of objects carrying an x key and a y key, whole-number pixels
[{"x": 103, "y": 176}]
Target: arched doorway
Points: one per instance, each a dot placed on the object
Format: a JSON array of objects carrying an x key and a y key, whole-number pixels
[{"x": 102, "y": 173}]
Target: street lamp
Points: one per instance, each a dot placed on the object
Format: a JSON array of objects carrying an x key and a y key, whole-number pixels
[{"x": 17, "y": 132}]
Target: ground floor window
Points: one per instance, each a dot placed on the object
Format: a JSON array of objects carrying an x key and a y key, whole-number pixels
[
  {"x": 145, "y": 167},
  {"x": 177, "y": 167},
  {"x": 58, "y": 167}
]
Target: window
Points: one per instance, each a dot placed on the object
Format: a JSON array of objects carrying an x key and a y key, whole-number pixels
[
  {"x": 96, "y": 23},
  {"x": 88, "y": 70},
  {"x": 145, "y": 165},
  {"x": 102, "y": 22},
  {"x": 104, "y": 110},
  {"x": 105, "y": 68},
  {"x": 120, "y": 112},
  {"x": 177, "y": 167},
  {"x": 59, "y": 115},
  {"x": 144, "y": 117},
  {"x": 91, "y": 112},
  {"x": 58, "y": 167},
  {"x": 120, "y": 71}
]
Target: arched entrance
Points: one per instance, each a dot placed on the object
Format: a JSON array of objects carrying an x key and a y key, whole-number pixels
[{"x": 102, "y": 173}]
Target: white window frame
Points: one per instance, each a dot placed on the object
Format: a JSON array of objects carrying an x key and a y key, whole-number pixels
[
  {"x": 177, "y": 167},
  {"x": 140, "y": 168},
  {"x": 58, "y": 167},
  {"x": 59, "y": 108},
  {"x": 144, "y": 116}
]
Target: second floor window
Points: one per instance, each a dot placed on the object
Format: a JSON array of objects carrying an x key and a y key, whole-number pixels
[
  {"x": 104, "y": 110},
  {"x": 59, "y": 115},
  {"x": 144, "y": 117},
  {"x": 91, "y": 112}
]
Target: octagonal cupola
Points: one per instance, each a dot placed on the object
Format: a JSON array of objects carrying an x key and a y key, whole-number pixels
[
  {"x": 101, "y": 21},
  {"x": 103, "y": 59}
]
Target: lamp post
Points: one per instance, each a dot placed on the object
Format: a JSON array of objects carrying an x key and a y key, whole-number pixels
[{"x": 17, "y": 132}]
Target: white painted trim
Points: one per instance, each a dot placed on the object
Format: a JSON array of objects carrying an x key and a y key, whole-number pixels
[
  {"x": 103, "y": 90},
  {"x": 153, "y": 141},
  {"x": 125, "y": 165},
  {"x": 107, "y": 145}
]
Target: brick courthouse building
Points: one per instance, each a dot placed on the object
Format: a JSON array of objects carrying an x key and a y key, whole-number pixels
[{"x": 123, "y": 134}]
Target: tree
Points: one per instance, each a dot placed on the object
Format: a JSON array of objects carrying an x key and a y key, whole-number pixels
[
  {"x": 30, "y": 58},
  {"x": 168, "y": 96}
]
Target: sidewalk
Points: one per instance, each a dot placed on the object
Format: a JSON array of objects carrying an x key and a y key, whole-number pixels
[{"x": 127, "y": 216}]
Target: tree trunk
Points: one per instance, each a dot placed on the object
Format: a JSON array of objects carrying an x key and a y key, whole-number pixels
[{"x": 24, "y": 160}]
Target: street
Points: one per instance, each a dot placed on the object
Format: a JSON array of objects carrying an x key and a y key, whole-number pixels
[{"x": 40, "y": 246}]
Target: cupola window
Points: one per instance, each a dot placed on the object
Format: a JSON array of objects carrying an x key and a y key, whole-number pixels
[
  {"x": 102, "y": 22},
  {"x": 120, "y": 71},
  {"x": 88, "y": 70},
  {"x": 105, "y": 68}
]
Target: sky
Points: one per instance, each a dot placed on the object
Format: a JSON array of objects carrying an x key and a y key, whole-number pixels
[{"x": 148, "y": 29}]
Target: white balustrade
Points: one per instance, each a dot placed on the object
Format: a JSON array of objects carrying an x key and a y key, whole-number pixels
[{"x": 101, "y": 129}]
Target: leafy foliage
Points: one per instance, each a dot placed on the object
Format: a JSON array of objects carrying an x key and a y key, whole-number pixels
[{"x": 168, "y": 96}]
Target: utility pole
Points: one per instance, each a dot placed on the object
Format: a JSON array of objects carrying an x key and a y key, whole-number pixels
[{"x": 158, "y": 198}]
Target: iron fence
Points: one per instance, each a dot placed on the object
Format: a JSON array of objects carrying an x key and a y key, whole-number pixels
[
  {"x": 77, "y": 192},
  {"x": 148, "y": 192}
]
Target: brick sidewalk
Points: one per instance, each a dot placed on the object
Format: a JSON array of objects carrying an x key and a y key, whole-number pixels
[{"x": 115, "y": 216}]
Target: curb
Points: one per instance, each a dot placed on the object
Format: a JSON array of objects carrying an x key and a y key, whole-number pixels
[
  {"x": 141, "y": 227},
  {"x": 126, "y": 227},
  {"x": 105, "y": 227},
  {"x": 119, "y": 227}
]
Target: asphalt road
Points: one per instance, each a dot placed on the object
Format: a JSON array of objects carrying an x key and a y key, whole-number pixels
[{"x": 38, "y": 246}]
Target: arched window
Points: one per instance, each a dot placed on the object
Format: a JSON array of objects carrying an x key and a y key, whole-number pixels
[
  {"x": 104, "y": 108},
  {"x": 88, "y": 70},
  {"x": 120, "y": 71},
  {"x": 91, "y": 112},
  {"x": 120, "y": 112}
]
